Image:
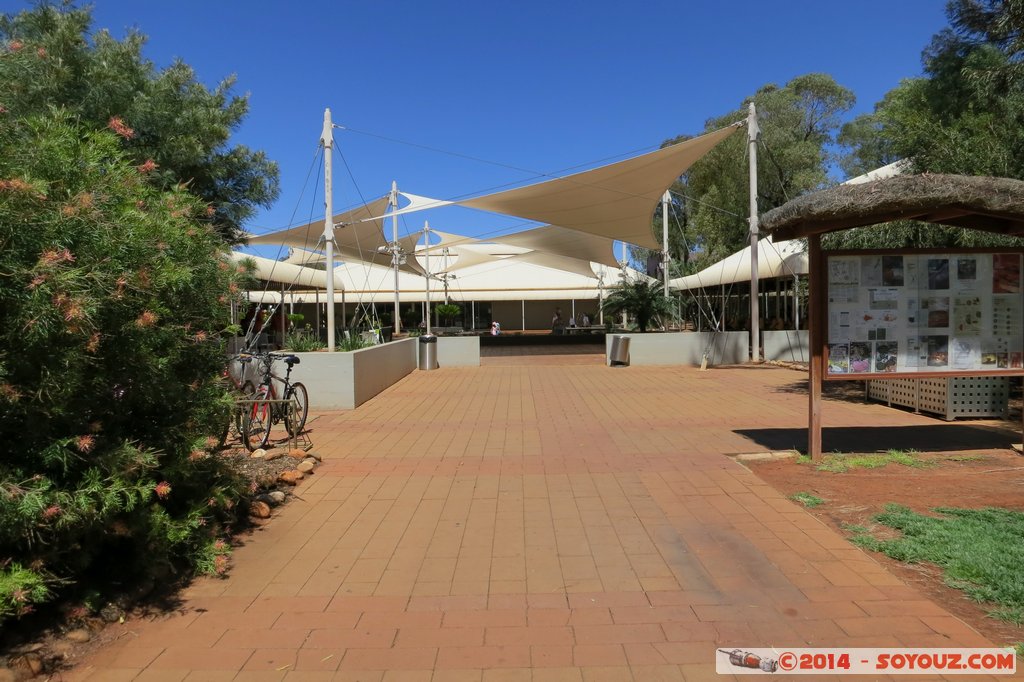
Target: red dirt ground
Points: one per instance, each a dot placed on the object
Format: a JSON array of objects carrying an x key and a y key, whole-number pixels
[{"x": 972, "y": 479}]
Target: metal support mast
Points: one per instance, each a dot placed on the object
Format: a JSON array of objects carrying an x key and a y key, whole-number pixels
[
  {"x": 327, "y": 139},
  {"x": 395, "y": 255},
  {"x": 755, "y": 313},
  {"x": 426, "y": 240},
  {"x": 664, "y": 237}
]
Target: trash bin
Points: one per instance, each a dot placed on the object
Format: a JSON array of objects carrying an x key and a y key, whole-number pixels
[
  {"x": 619, "y": 355},
  {"x": 428, "y": 352}
]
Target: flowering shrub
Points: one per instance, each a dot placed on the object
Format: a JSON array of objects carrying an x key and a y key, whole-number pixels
[{"x": 113, "y": 295}]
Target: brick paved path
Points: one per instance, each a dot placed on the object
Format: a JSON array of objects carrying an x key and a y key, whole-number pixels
[{"x": 537, "y": 522}]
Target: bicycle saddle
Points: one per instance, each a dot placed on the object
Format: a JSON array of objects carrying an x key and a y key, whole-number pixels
[{"x": 290, "y": 360}]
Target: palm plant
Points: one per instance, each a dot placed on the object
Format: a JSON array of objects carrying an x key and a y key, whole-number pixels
[{"x": 643, "y": 298}]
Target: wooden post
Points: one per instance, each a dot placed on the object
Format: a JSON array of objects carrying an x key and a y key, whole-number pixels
[{"x": 816, "y": 371}]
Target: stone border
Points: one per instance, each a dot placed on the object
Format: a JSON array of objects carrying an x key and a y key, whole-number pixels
[{"x": 684, "y": 348}]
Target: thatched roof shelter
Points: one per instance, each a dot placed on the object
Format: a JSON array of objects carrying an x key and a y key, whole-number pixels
[{"x": 980, "y": 203}]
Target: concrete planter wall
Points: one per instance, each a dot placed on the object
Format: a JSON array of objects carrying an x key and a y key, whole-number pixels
[
  {"x": 789, "y": 345},
  {"x": 458, "y": 351},
  {"x": 344, "y": 381},
  {"x": 684, "y": 348}
]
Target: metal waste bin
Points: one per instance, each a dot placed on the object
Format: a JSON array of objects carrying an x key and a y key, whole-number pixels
[
  {"x": 428, "y": 352},
  {"x": 620, "y": 351}
]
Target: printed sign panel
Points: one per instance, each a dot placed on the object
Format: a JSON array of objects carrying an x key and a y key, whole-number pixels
[{"x": 907, "y": 313}]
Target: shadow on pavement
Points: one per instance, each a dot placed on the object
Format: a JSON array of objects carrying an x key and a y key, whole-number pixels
[{"x": 938, "y": 437}]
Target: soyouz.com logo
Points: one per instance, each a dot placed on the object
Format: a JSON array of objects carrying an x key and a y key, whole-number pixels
[{"x": 767, "y": 661}]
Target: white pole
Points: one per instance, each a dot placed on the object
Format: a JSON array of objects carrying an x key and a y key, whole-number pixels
[
  {"x": 327, "y": 139},
  {"x": 796, "y": 302},
  {"x": 664, "y": 236},
  {"x": 426, "y": 237},
  {"x": 755, "y": 314},
  {"x": 523, "y": 305},
  {"x": 397, "y": 322}
]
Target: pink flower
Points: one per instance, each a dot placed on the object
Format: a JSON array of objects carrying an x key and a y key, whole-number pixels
[
  {"x": 118, "y": 126},
  {"x": 52, "y": 512},
  {"x": 148, "y": 166},
  {"x": 41, "y": 51},
  {"x": 162, "y": 489},
  {"x": 146, "y": 319},
  {"x": 15, "y": 45},
  {"x": 220, "y": 545},
  {"x": 220, "y": 564},
  {"x": 85, "y": 443}
]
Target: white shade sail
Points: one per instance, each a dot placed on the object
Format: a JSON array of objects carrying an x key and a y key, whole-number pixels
[
  {"x": 616, "y": 201},
  {"x": 358, "y": 235},
  {"x": 784, "y": 259},
  {"x": 564, "y": 242},
  {"x": 280, "y": 272},
  {"x": 497, "y": 278}
]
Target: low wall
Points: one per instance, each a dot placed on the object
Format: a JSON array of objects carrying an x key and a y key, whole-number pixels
[
  {"x": 684, "y": 348},
  {"x": 790, "y": 345},
  {"x": 458, "y": 351},
  {"x": 346, "y": 380}
]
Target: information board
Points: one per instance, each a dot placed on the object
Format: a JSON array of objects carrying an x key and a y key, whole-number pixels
[{"x": 910, "y": 313}]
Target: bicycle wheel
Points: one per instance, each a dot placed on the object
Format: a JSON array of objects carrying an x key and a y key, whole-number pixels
[
  {"x": 248, "y": 392},
  {"x": 297, "y": 392},
  {"x": 257, "y": 418}
]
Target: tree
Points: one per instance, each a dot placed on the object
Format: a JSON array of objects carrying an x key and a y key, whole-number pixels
[
  {"x": 641, "y": 297},
  {"x": 799, "y": 123},
  {"x": 49, "y": 58},
  {"x": 113, "y": 296},
  {"x": 965, "y": 116}
]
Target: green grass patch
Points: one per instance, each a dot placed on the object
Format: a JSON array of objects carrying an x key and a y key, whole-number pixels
[
  {"x": 980, "y": 551},
  {"x": 839, "y": 463},
  {"x": 807, "y": 499},
  {"x": 965, "y": 458}
]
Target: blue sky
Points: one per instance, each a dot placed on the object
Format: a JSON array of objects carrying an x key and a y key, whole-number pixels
[{"x": 537, "y": 85}]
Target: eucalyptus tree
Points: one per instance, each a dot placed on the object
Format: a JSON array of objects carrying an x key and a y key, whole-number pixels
[
  {"x": 965, "y": 115},
  {"x": 799, "y": 123}
]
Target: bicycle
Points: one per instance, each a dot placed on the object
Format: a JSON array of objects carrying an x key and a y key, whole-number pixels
[
  {"x": 266, "y": 409},
  {"x": 234, "y": 374}
]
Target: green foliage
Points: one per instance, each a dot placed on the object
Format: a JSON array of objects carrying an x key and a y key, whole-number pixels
[
  {"x": 303, "y": 341},
  {"x": 839, "y": 463},
  {"x": 352, "y": 342},
  {"x": 980, "y": 551},
  {"x": 51, "y": 58},
  {"x": 965, "y": 116},
  {"x": 20, "y": 588},
  {"x": 641, "y": 297},
  {"x": 808, "y": 500},
  {"x": 113, "y": 297},
  {"x": 448, "y": 312},
  {"x": 799, "y": 123}
]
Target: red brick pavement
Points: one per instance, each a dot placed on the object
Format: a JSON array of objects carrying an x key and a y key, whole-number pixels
[{"x": 537, "y": 522}]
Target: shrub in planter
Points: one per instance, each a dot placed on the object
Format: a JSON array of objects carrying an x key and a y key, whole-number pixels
[{"x": 113, "y": 295}]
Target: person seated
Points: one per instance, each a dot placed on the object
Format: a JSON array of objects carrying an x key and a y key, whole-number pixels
[
  {"x": 586, "y": 320},
  {"x": 572, "y": 322},
  {"x": 495, "y": 328}
]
